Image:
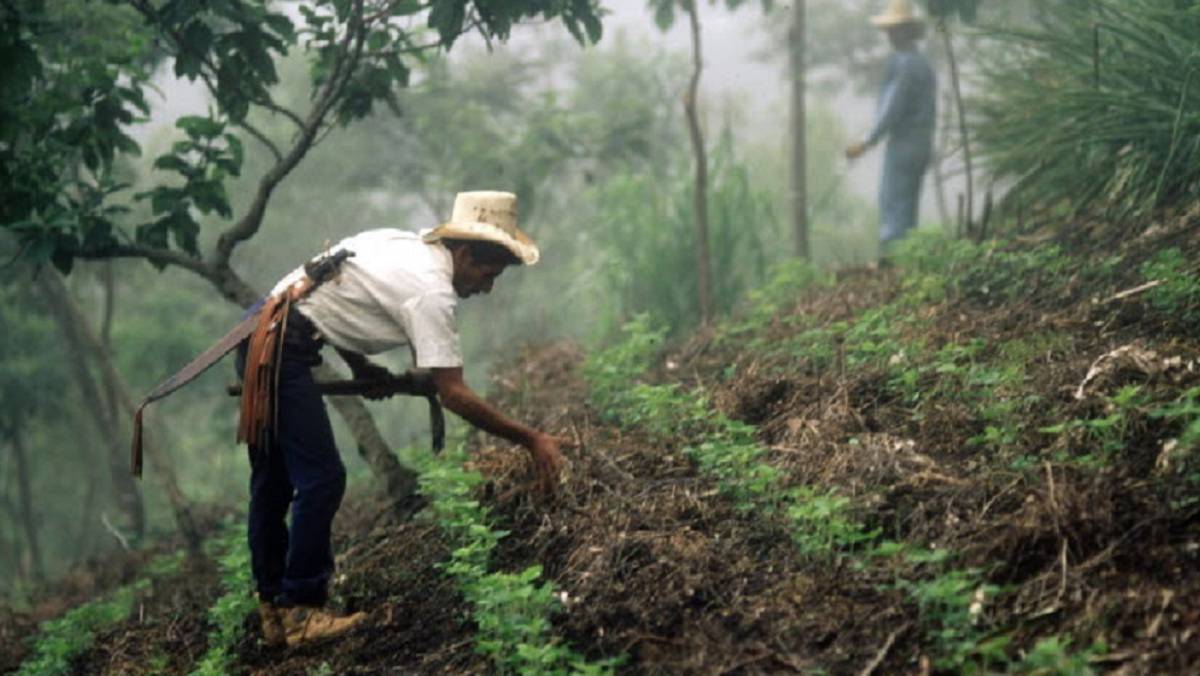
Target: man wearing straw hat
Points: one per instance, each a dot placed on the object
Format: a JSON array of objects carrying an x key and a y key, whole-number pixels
[
  {"x": 396, "y": 288},
  {"x": 906, "y": 115}
]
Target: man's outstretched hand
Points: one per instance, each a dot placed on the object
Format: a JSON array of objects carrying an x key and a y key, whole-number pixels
[{"x": 548, "y": 460}]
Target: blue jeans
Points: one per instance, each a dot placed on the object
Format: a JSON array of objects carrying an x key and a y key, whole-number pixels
[
  {"x": 904, "y": 166},
  {"x": 302, "y": 471}
]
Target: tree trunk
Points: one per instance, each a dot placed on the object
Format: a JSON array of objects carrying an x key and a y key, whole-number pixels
[
  {"x": 67, "y": 313},
  {"x": 125, "y": 490},
  {"x": 399, "y": 481},
  {"x": 25, "y": 501},
  {"x": 944, "y": 29},
  {"x": 700, "y": 194},
  {"x": 799, "y": 43},
  {"x": 946, "y": 124}
]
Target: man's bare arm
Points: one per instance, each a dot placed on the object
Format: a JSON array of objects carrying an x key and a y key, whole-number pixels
[{"x": 457, "y": 396}]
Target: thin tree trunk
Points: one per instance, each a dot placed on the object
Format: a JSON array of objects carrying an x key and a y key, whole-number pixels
[
  {"x": 944, "y": 29},
  {"x": 10, "y": 547},
  {"x": 25, "y": 500},
  {"x": 68, "y": 312},
  {"x": 939, "y": 159},
  {"x": 399, "y": 481},
  {"x": 799, "y": 41},
  {"x": 125, "y": 490},
  {"x": 700, "y": 194}
]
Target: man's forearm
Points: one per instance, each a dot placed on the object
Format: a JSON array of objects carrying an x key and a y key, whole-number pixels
[{"x": 488, "y": 418}]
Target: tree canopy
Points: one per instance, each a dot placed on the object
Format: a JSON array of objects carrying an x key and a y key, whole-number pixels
[{"x": 66, "y": 109}]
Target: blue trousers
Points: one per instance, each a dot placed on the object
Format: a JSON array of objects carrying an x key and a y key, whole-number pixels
[
  {"x": 303, "y": 472},
  {"x": 904, "y": 166}
]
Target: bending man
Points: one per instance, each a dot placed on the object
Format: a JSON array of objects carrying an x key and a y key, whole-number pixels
[{"x": 398, "y": 288}]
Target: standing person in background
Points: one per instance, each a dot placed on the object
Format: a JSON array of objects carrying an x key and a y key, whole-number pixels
[{"x": 906, "y": 115}]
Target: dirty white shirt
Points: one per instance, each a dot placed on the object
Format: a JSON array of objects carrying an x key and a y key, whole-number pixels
[{"x": 395, "y": 290}]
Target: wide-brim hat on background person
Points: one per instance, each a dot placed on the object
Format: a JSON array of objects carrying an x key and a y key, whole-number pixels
[
  {"x": 898, "y": 13},
  {"x": 489, "y": 216}
]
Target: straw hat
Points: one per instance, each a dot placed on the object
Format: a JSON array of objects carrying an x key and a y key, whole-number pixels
[
  {"x": 899, "y": 13},
  {"x": 489, "y": 216}
]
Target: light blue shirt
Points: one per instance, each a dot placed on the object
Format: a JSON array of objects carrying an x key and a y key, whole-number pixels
[{"x": 907, "y": 109}]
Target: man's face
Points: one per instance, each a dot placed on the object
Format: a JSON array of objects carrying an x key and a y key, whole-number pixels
[{"x": 472, "y": 277}]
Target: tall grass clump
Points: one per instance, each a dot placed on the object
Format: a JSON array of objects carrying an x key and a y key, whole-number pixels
[{"x": 1098, "y": 106}]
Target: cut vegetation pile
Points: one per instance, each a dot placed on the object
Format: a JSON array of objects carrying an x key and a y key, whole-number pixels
[{"x": 983, "y": 459}]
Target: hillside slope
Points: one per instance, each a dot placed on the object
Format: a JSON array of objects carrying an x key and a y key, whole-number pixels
[{"x": 982, "y": 459}]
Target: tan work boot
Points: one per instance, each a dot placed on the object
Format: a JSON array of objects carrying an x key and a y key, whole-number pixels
[
  {"x": 272, "y": 624},
  {"x": 303, "y": 624}
]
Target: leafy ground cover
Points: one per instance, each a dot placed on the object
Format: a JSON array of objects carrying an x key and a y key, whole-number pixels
[{"x": 982, "y": 460}]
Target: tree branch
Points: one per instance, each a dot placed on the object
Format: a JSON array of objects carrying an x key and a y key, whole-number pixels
[
  {"x": 262, "y": 138},
  {"x": 154, "y": 255},
  {"x": 351, "y": 50}
]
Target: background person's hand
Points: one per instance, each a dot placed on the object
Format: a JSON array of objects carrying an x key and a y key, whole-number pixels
[{"x": 856, "y": 151}]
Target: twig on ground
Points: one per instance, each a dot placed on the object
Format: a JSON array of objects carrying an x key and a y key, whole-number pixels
[
  {"x": 1132, "y": 292},
  {"x": 883, "y": 651}
]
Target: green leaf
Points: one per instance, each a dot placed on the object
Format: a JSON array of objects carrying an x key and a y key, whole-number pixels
[
  {"x": 21, "y": 68},
  {"x": 200, "y": 127},
  {"x": 446, "y": 18},
  {"x": 664, "y": 13},
  {"x": 173, "y": 163}
]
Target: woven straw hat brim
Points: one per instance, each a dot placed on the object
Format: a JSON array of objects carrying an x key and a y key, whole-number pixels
[
  {"x": 520, "y": 245},
  {"x": 893, "y": 20}
]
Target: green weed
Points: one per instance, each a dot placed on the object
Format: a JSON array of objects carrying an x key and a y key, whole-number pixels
[
  {"x": 1103, "y": 437},
  {"x": 785, "y": 282},
  {"x": 227, "y": 616},
  {"x": 952, "y": 605},
  {"x": 64, "y": 638},
  {"x": 1051, "y": 656},
  {"x": 510, "y": 610},
  {"x": 1177, "y": 297},
  {"x": 728, "y": 451},
  {"x": 612, "y": 371},
  {"x": 821, "y": 523},
  {"x": 1095, "y": 107}
]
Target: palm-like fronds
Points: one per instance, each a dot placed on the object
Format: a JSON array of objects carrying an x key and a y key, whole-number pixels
[{"x": 1099, "y": 107}]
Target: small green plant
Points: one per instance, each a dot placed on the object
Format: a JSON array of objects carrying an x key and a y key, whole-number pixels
[
  {"x": 1104, "y": 435},
  {"x": 1177, "y": 295},
  {"x": 664, "y": 410},
  {"x": 952, "y": 604},
  {"x": 739, "y": 470},
  {"x": 510, "y": 610},
  {"x": 612, "y": 371},
  {"x": 728, "y": 451},
  {"x": 1185, "y": 410},
  {"x": 64, "y": 638},
  {"x": 1051, "y": 656},
  {"x": 227, "y": 616},
  {"x": 821, "y": 525},
  {"x": 1006, "y": 276},
  {"x": 784, "y": 284}
]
